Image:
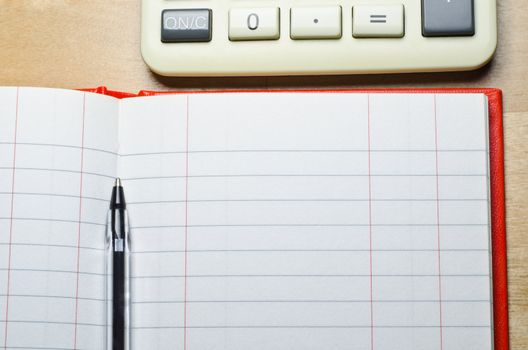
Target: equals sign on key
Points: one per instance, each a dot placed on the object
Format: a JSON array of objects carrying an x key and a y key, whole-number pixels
[{"x": 378, "y": 18}]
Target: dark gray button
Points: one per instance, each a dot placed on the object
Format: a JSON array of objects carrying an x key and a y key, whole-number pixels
[
  {"x": 448, "y": 18},
  {"x": 185, "y": 25}
]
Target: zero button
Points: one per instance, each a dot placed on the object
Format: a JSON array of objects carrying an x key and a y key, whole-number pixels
[{"x": 254, "y": 23}]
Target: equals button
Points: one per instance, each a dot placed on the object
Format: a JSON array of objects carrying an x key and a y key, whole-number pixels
[
  {"x": 378, "y": 21},
  {"x": 378, "y": 18}
]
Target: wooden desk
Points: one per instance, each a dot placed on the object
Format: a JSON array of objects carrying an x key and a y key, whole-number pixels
[{"x": 87, "y": 43}]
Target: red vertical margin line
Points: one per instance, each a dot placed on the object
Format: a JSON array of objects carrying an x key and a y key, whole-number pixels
[
  {"x": 370, "y": 223},
  {"x": 79, "y": 227},
  {"x": 438, "y": 227},
  {"x": 11, "y": 220},
  {"x": 186, "y": 224}
]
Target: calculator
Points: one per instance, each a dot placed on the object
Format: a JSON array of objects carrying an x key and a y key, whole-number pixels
[{"x": 307, "y": 37}]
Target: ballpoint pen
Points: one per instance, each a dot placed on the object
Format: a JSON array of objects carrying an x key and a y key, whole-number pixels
[{"x": 117, "y": 272}]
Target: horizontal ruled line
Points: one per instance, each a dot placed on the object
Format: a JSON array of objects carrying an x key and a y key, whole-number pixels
[
  {"x": 247, "y": 326},
  {"x": 293, "y": 175},
  {"x": 255, "y": 199},
  {"x": 67, "y": 171},
  {"x": 302, "y": 151},
  {"x": 144, "y": 252},
  {"x": 60, "y": 146},
  {"x": 40, "y": 348},
  {"x": 13, "y": 269},
  {"x": 461, "y": 150},
  {"x": 308, "y": 327},
  {"x": 23, "y": 244},
  {"x": 303, "y": 301},
  {"x": 237, "y": 175},
  {"x": 312, "y": 200},
  {"x": 55, "y": 322},
  {"x": 307, "y": 276},
  {"x": 54, "y": 220},
  {"x": 307, "y": 225},
  {"x": 305, "y": 250},
  {"x": 54, "y": 195},
  {"x": 246, "y": 275},
  {"x": 38, "y": 296}
]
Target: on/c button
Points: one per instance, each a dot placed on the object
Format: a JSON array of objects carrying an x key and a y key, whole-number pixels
[
  {"x": 254, "y": 23},
  {"x": 186, "y": 25}
]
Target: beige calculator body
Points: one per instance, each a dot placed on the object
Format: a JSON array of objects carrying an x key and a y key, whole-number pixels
[{"x": 305, "y": 37}]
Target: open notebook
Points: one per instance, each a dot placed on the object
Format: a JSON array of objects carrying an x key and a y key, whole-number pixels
[{"x": 259, "y": 221}]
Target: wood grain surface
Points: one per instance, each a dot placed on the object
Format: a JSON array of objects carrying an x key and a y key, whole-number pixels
[{"x": 87, "y": 43}]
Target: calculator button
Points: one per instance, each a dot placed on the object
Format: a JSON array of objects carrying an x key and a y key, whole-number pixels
[
  {"x": 321, "y": 22},
  {"x": 254, "y": 24},
  {"x": 185, "y": 25},
  {"x": 374, "y": 21},
  {"x": 448, "y": 18}
]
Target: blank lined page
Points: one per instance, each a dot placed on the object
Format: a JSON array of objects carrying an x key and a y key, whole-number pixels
[
  {"x": 58, "y": 153},
  {"x": 308, "y": 221}
]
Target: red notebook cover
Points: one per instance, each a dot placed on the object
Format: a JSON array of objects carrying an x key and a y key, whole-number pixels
[{"x": 498, "y": 212}]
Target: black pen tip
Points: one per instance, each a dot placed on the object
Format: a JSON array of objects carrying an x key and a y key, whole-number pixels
[{"x": 118, "y": 196}]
